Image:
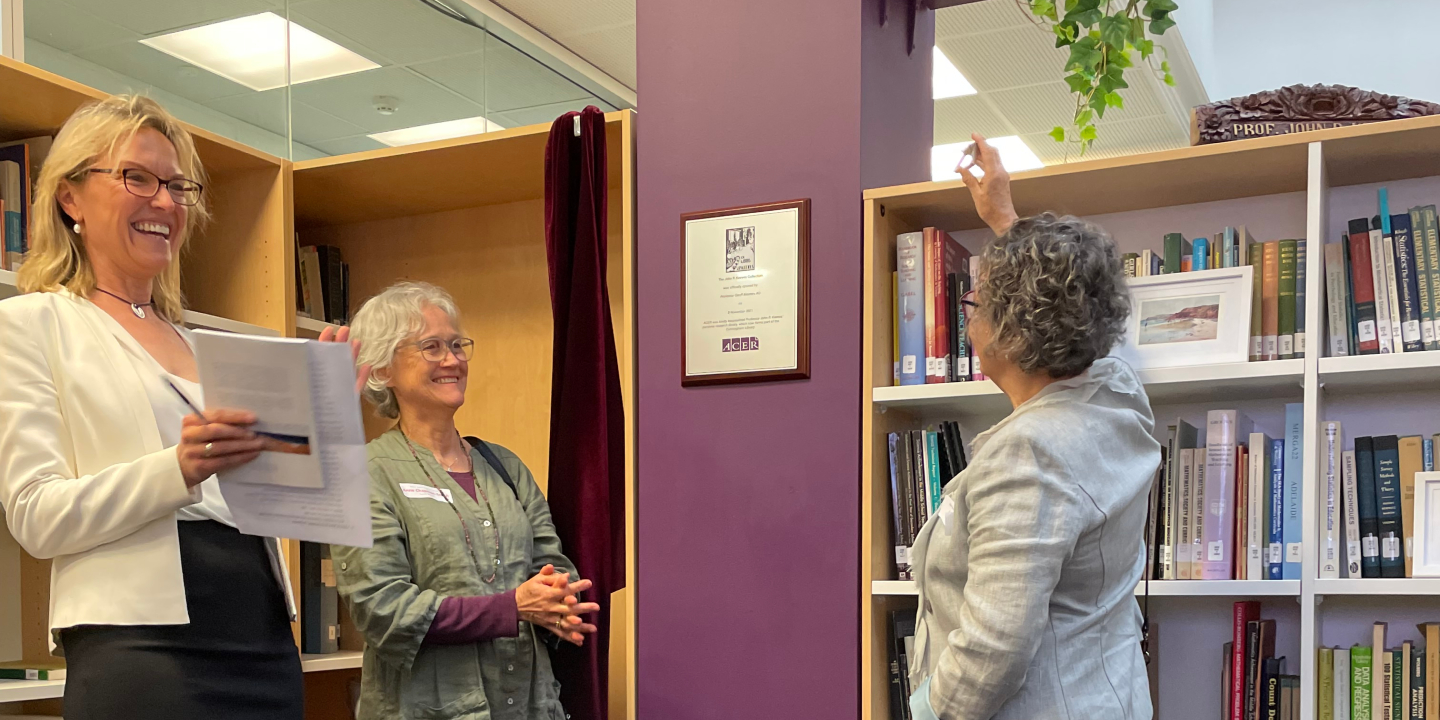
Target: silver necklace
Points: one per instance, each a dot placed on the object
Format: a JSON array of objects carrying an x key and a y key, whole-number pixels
[{"x": 137, "y": 308}]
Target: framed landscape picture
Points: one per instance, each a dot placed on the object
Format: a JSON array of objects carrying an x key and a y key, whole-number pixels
[{"x": 1194, "y": 318}]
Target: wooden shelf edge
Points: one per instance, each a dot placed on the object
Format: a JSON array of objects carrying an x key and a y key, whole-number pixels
[
  {"x": 312, "y": 325},
  {"x": 26, "y": 690},
  {"x": 343, "y": 660}
]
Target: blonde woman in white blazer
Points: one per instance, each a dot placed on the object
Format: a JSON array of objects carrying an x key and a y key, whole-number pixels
[{"x": 160, "y": 606}]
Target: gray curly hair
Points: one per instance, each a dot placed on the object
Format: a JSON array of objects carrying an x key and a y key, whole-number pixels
[
  {"x": 386, "y": 321},
  {"x": 1053, "y": 291}
]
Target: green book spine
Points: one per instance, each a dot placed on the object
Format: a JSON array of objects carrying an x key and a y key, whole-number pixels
[
  {"x": 1361, "y": 682},
  {"x": 1326, "y": 677},
  {"x": 1257, "y": 313},
  {"x": 20, "y": 673},
  {"x": 1300, "y": 271},
  {"x": 1176, "y": 247},
  {"x": 1286, "y": 310},
  {"x": 1417, "y": 683},
  {"x": 1431, "y": 240},
  {"x": 1397, "y": 685},
  {"x": 1422, "y": 276}
]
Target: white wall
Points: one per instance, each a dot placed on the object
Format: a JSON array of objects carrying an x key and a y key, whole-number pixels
[{"x": 1255, "y": 45}]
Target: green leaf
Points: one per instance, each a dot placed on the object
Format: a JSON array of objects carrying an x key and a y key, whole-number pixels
[
  {"x": 1160, "y": 25},
  {"x": 1043, "y": 9},
  {"x": 1088, "y": 133},
  {"x": 1070, "y": 5},
  {"x": 1097, "y": 104},
  {"x": 1114, "y": 100},
  {"x": 1146, "y": 48},
  {"x": 1078, "y": 83},
  {"x": 1083, "y": 56},
  {"x": 1165, "y": 66},
  {"x": 1169, "y": 79},
  {"x": 1137, "y": 30},
  {"x": 1087, "y": 18},
  {"x": 1058, "y": 134},
  {"x": 1084, "y": 145},
  {"x": 1084, "y": 117},
  {"x": 1154, "y": 6},
  {"x": 1114, "y": 30},
  {"x": 1065, "y": 33},
  {"x": 1119, "y": 60}
]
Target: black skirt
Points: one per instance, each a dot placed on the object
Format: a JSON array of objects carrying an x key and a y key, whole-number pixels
[{"x": 235, "y": 660}]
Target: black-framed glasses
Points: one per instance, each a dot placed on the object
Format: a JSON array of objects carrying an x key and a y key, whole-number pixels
[
  {"x": 967, "y": 301},
  {"x": 143, "y": 183},
  {"x": 435, "y": 349}
]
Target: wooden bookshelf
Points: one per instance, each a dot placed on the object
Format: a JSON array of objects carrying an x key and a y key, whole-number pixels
[
  {"x": 1296, "y": 186},
  {"x": 468, "y": 216},
  {"x": 310, "y": 327}
]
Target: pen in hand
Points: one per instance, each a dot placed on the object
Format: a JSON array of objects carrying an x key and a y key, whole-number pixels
[{"x": 198, "y": 412}]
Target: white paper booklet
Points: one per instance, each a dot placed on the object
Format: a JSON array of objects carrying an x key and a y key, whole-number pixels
[{"x": 313, "y": 482}]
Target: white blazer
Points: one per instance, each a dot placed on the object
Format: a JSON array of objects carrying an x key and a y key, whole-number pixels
[{"x": 84, "y": 476}]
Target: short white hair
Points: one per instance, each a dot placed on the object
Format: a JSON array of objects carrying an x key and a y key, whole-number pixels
[{"x": 386, "y": 321}]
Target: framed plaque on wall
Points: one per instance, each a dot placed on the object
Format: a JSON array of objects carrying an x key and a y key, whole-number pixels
[{"x": 745, "y": 294}]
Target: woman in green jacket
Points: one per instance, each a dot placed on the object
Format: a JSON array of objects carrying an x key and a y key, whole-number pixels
[{"x": 466, "y": 576}]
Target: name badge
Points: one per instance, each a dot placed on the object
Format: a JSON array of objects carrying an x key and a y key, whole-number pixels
[
  {"x": 413, "y": 490},
  {"x": 947, "y": 511}
]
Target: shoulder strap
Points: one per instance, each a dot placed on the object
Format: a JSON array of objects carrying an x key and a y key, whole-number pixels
[{"x": 493, "y": 461}]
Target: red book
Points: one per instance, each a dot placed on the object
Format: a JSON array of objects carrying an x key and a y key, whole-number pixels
[
  {"x": 1363, "y": 287},
  {"x": 1245, "y": 612},
  {"x": 943, "y": 256}
]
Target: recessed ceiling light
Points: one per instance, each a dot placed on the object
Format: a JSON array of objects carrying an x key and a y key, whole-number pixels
[
  {"x": 947, "y": 80},
  {"x": 436, "y": 131},
  {"x": 1015, "y": 155},
  {"x": 251, "y": 51}
]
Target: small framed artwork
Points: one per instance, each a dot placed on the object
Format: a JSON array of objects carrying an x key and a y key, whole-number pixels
[
  {"x": 1427, "y": 533},
  {"x": 1194, "y": 318},
  {"x": 745, "y": 312}
]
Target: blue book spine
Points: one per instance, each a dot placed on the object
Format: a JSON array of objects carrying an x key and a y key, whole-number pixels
[
  {"x": 1428, "y": 448},
  {"x": 910, "y": 265},
  {"x": 1408, "y": 283},
  {"x": 1276, "y": 564},
  {"x": 1200, "y": 255},
  {"x": 1294, "y": 470},
  {"x": 14, "y": 235},
  {"x": 1231, "y": 257},
  {"x": 932, "y": 473}
]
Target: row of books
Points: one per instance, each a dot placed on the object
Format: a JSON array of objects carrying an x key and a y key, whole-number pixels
[
  {"x": 319, "y": 601},
  {"x": 1253, "y": 683},
  {"x": 934, "y": 271},
  {"x": 323, "y": 280},
  {"x": 900, "y": 647},
  {"x": 1277, "y": 308},
  {"x": 1380, "y": 682},
  {"x": 1382, "y": 284},
  {"x": 19, "y": 166},
  {"x": 1367, "y": 494},
  {"x": 922, "y": 462},
  {"x": 1227, "y": 509}
]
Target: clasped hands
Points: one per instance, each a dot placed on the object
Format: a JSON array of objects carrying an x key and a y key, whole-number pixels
[{"x": 550, "y": 600}]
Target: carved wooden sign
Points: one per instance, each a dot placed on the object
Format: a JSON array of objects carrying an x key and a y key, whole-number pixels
[{"x": 1298, "y": 108}]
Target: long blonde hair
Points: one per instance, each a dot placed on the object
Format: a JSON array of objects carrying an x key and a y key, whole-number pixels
[{"x": 57, "y": 255}]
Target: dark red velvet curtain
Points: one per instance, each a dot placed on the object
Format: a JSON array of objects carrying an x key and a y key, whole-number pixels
[{"x": 587, "y": 418}]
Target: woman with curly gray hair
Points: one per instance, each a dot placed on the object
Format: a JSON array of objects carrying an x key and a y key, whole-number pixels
[
  {"x": 1027, "y": 572},
  {"x": 466, "y": 576}
]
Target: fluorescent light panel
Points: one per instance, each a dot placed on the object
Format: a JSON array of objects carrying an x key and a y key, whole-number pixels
[
  {"x": 436, "y": 131},
  {"x": 1015, "y": 155},
  {"x": 251, "y": 51},
  {"x": 946, "y": 78}
]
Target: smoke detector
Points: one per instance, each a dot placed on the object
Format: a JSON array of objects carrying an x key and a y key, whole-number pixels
[{"x": 386, "y": 104}]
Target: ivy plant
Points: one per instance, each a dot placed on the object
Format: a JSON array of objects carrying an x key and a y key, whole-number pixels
[{"x": 1104, "y": 38}]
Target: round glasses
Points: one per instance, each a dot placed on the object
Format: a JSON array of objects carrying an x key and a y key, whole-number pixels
[
  {"x": 435, "y": 349},
  {"x": 143, "y": 183},
  {"x": 968, "y": 304}
]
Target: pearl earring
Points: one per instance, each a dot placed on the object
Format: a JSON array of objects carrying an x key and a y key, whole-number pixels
[{"x": 77, "y": 228}]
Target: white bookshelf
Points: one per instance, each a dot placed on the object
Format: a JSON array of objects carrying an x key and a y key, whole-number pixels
[
  {"x": 13, "y": 691},
  {"x": 343, "y": 660},
  {"x": 1304, "y": 186},
  {"x": 201, "y": 321},
  {"x": 310, "y": 327}
]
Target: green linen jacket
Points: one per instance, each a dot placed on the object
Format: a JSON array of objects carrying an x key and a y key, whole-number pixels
[{"x": 419, "y": 557}]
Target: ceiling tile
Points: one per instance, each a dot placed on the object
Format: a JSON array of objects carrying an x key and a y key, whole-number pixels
[
  {"x": 149, "y": 17},
  {"x": 1138, "y": 136},
  {"x": 262, "y": 109},
  {"x": 311, "y": 125},
  {"x": 400, "y": 32},
  {"x": 1036, "y": 108},
  {"x": 564, "y": 18},
  {"x": 1051, "y": 152},
  {"x": 956, "y": 118},
  {"x": 501, "y": 78},
  {"x": 540, "y": 114},
  {"x": 343, "y": 146},
  {"x": 351, "y": 98},
  {"x": 1007, "y": 58},
  {"x": 67, "y": 28},
  {"x": 156, "y": 68},
  {"x": 611, "y": 49},
  {"x": 1141, "y": 99},
  {"x": 979, "y": 17}
]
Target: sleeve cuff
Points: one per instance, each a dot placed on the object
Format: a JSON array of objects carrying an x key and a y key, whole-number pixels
[{"x": 920, "y": 708}]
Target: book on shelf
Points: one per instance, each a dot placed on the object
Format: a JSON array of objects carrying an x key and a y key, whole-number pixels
[
  {"x": 1387, "y": 504},
  {"x": 1350, "y": 510},
  {"x": 943, "y": 256},
  {"x": 27, "y": 670},
  {"x": 1176, "y": 247},
  {"x": 1325, "y": 684},
  {"x": 1422, "y": 278},
  {"x": 933, "y": 272},
  {"x": 1340, "y": 683},
  {"x": 319, "y": 601},
  {"x": 1430, "y": 242},
  {"x": 1270, "y": 301},
  {"x": 1294, "y": 473},
  {"x": 1257, "y": 510},
  {"x": 1256, "y": 253},
  {"x": 1364, "y": 290},
  {"x": 1337, "y": 306},
  {"x": 1368, "y": 507},
  {"x": 1285, "y": 300},
  {"x": 20, "y": 163},
  {"x": 1393, "y": 283},
  {"x": 1224, "y": 430},
  {"x": 901, "y": 635},
  {"x": 1411, "y": 459},
  {"x": 910, "y": 264},
  {"x": 1300, "y": 274},
  {"x": 1243, "y": 614},
  {"x": 1362, "y": 683},
  {"x": 895, "y": 327},
  {"x": 922, "y": 463},
  {"x": 1407, "y": 281},
  {"x": 1332, "y": 552}
]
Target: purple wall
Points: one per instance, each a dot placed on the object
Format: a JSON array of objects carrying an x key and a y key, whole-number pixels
[{"x": 748, "y": 496}]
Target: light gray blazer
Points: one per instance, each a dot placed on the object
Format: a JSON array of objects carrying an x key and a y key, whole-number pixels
[{"x": 1027, "y": 573}]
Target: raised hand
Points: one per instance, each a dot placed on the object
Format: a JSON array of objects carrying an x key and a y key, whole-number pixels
[
  {"x": 362, "y": 373},
  {"x": 991, "y": 191}
]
